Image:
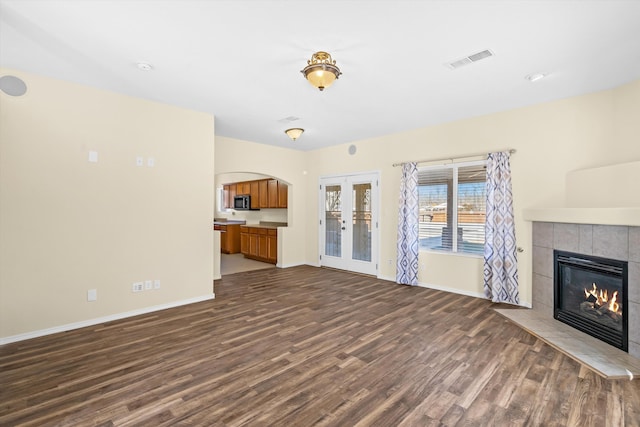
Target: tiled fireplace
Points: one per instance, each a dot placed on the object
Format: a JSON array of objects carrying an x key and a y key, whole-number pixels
[{"x": 608, "y": 241}]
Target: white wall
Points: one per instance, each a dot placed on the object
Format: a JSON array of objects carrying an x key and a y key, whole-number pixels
[{"x": 67, "y": 225}]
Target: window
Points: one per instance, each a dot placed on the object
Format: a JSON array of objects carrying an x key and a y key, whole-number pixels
[
  {"x": 222, "y": 205},
  {"x": 440, "y": 189}
]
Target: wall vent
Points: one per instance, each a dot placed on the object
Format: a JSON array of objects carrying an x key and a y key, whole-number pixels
[{"x": 469, "y": 59}]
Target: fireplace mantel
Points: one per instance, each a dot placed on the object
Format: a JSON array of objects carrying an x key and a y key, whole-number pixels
[{"x": 603, "y": 216}]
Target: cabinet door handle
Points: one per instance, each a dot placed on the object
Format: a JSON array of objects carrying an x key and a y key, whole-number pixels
[{"x": 344, "y": 228}]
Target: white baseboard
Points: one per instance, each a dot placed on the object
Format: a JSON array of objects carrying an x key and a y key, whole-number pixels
[
  {"x": 430, "y": 286},
  {"x": 440, "y": 288},
  {"x": 467, "y": 293},
  {"x": 452, "y": 290},
  {"x": 97, "y": 321},
  {"x": 290, "y": 265}
]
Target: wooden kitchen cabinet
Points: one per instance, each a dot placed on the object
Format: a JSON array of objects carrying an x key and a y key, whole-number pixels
[
  {"x": 263, "y": 189},
  {"x": 244, "y": 240},
  {"x": 224, "y": 247},
  {"x": 253, "y": 245},
  {"x": 265, "y": 193},
  {"x": 259, "y": 243},
  {"x": 272, "y": 246},
  {"x": 272, "y": 193},
  {"x": 255, "y": 194},
  {"x": 244, "y": 188},
  {"x": 262, "y": 244},
  {"x": 229, "y": 238}
]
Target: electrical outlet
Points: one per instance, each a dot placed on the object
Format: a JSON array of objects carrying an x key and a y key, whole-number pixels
[
  {"x": 139, "y": 161},
  {"x": 92, "y": 295},
  {"x": 137, "y": 287},
  {"x": 390, "y": 261},
  {"x": 148, "y": 285},
  {"x": 156, "y": 284}
]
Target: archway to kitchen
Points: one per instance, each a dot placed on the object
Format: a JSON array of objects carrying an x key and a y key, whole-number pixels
[{"x": 250, "y": 209}]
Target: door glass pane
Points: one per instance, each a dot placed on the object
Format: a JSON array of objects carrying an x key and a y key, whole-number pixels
[
  {"x": 361, "y": 222},
  {"x": 333, "y": 221}
]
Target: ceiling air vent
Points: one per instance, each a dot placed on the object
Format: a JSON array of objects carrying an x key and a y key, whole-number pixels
[
  {"x": 469, "y": 59},
  {"x": 289, "y": 119}
]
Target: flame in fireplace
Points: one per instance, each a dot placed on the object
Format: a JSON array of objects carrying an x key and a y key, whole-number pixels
[{"x": 601, "y": 298}]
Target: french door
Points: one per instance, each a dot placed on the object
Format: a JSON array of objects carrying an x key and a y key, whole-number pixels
[{"x": 349, "y": 222}]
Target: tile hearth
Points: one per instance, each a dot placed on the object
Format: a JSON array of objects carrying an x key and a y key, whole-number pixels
[{"x": 606, "y": 360}]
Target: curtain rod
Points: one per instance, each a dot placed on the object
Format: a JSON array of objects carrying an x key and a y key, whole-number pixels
[{"x": 511, "y": 151}]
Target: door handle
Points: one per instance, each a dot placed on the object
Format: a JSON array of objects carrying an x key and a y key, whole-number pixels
[{"x": 344, "y": 228}]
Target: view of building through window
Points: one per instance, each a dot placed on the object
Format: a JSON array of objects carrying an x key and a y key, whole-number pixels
[{"x": 442, "y": 188}]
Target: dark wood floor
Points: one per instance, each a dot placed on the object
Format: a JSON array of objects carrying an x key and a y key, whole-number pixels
[{"x": 306, "y": 346}]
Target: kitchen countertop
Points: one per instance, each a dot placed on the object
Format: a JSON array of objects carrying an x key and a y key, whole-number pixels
[
  {"x": 266, "y": 224},
  {"x": 229, "y": 222}
]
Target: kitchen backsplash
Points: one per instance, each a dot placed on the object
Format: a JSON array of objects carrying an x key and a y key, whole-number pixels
[{"x": 254, "y": 217}]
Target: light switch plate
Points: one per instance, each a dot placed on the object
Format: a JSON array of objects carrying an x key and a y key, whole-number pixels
[
  {"x": 93, "y": 156},
  {"x": 151, "y": 162},
  {"x": 148, "y": 284},
  {"x": 139, "y": 161},
  {"x": 92, "y": 295}
]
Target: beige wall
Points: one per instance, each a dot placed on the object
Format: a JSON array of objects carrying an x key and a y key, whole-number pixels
[
  {"x": 551, "y": 139},
  {"x": 67, "y": 225},
  {"x": 612, "y": 186},
  {"x": 234, "y": 156},
  {"x": 623, "y": 144}
]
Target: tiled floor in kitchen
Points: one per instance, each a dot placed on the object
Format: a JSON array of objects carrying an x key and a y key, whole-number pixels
[{"x": 236, "y": 263}]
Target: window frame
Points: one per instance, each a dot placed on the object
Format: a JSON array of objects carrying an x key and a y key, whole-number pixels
[{"x": 455, "y": 166}]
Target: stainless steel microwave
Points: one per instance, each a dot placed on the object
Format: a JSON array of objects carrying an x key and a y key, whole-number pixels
[{"x": 242, "y": 202}]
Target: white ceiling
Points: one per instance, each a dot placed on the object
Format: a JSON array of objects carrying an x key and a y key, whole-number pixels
[{"x": 241, "y": 60}]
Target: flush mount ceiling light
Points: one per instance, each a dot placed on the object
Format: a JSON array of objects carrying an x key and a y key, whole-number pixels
[
  {"x": 321, "y": 70},
  {"x": 294, "y": 133}
]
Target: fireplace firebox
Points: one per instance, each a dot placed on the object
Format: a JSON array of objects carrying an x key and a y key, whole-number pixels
[{"x": 591, "y": 296}]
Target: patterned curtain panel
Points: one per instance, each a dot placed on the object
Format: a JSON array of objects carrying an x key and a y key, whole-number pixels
[
  {"x": 407, "y": 267},
  {"x": 500, "y": 263}
]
